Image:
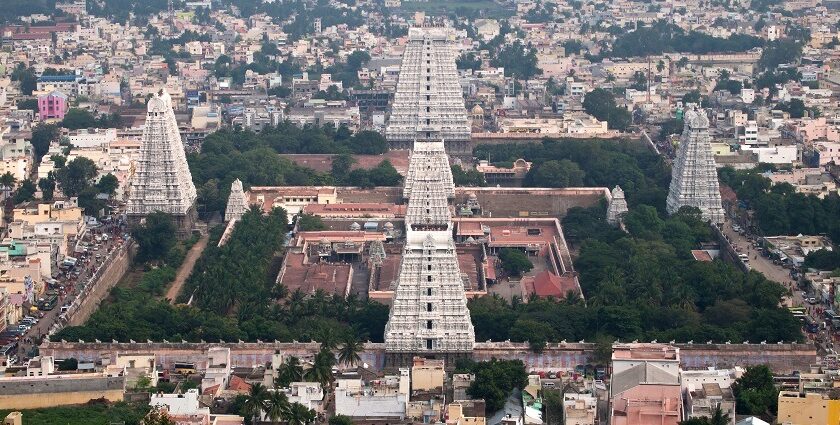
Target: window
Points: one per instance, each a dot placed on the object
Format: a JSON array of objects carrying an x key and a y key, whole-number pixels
[
  {"x": 428, "y": 344},
  {"x": 429, "y": 278},
  {"x": 429, "y": 307},
  {"x": 429, "y": 292},
  {"x": 428, "y": 324}
]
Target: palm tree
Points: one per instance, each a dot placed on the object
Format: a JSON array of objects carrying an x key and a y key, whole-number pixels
[
  {"x": 288, "y": 372},
  {"x": 277, "y": 405},
  {"x": 300, "y": 415},
  {"x": 348, "y": 354},
  {"x": 321, "y": 370},
  {"x": 8, "y": 180},
  {"x": 255, "y": 401}
]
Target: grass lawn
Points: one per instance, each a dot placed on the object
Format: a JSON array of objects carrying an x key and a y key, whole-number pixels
[{"x": 94, "y": 413}]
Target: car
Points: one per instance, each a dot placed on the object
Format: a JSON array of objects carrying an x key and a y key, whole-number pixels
[{"x": 812, "y": 300}]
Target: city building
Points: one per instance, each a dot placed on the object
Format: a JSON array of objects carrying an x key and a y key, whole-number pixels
[
  {"x": 645, "y": 385},
  {"x": 52, "y": 106}
]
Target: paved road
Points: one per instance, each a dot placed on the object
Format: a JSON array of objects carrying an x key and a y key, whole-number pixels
[
  {"x": 186, "y": 267},
  {"x": 73, "y": 285}
]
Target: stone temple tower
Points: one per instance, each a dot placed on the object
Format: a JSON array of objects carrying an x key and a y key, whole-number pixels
[
  {"x": 163, "y": 181},
  {"x": 429, "y": 102},
  {"x": 617, "y": 207},
  {"x": 429, "y": 315},
  {"x": 694, "y": 180},
  {"x": 236, "y": 204}
]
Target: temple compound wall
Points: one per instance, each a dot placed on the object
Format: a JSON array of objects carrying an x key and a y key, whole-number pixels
[{"x": 781, "y": 358}]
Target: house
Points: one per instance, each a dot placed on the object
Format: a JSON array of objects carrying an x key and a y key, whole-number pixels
[{"x": 645, "y": 387}]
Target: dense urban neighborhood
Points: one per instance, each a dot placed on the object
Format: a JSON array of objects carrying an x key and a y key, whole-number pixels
[{"x": 379, "y": 212}]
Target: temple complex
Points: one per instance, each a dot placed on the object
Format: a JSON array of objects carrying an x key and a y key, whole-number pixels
[
  {"x": 163, "y": 181},
  {"x": 694, "y": 180}
]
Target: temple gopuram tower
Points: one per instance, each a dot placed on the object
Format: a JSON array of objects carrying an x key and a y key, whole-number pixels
[{"x": 162, "y": 181}]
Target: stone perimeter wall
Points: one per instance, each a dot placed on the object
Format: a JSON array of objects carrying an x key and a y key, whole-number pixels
[
  {"x": 88, "y": 301},
  {"x": 782, "y": 358}
]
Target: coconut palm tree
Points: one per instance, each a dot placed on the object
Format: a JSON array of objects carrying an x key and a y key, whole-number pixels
[
  {"x": 277, "y": 405},
  {"x": 300, "y": 415},
  {"x": 348, "y": 354},
  {"x": 8, "y": 180},
  {"x": 255, "y": 401},
  {"x": 321, "y": 370},
  {"x": 288, "y": 372}
]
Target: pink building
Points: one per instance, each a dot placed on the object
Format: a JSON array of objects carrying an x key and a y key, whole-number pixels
[
  {"x": 810, "y": 129},
  {"x": 52, "y": 105},
  {"x": 645, "y": 387}
]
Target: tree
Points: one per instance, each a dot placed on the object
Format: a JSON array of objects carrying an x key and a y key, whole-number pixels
[
  {"x": 76, "y": 176},
  {"x": 277, "y": 406},
  {"x": 601, "y": 104},
  {"x": 755, "y": 392},
  {"x": 42, "y": 136},
  {"x": 321, "y": 370},
  {"x": 300, "y": 415},
  {"x": 8, "y": 180},
  {"x": 47, "y": 186},
  {"x": 494, "y": 380},
  {"x": 255, "y": 402},
  {"x": 369, "y": 143},
  {"x": 310, "y": 222},
  {"x": 340, "y": 420},
  {"x": 76, "y": 118},
  {"x": 158, "y": 416},
  {"x": 68, "y": 364},
  {"x": 563, "y": 173},
  {"x": 470, "y": 177},
  {"x": 108, "y": 184},
  {"x": 154, "y": 236},
  {"x": 514, "y": 262},
  {"x": 348, "y": 354},
  {"x": 26, "y": 192},
  {"x": 288, "y": 372}
]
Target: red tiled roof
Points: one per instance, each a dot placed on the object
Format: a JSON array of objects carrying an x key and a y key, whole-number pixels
[
  {"x": 701, "y": 255},
  {"x": 547, "y": 284},
  {"x": 238, "y": 384}
]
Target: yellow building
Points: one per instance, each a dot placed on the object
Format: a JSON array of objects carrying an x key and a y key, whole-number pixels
[
  {"x": 797, "y": 408},
  {"x": 427, "y": 374},
  {"x": 455, "y": 416},
  {"x": 58, "y": 211}
]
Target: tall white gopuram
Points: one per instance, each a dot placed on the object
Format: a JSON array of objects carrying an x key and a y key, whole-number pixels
[
  {"x": 236, "y": 204},
  {"x": 429, "y": 314},
  {"x": 163, "y": 181},
  {"x": 429, "y": 103},
  {"x": 617, "y": 207},
  {"x": 694, "y": 180}
]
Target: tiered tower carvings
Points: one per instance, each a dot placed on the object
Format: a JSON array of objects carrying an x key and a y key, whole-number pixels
[
  {"x": 428, "y": 103},
  {"x": 236, "y": 205},
  {"x": 694, "y": 180},
  {"x": 163, "y": 181},
  {"x": 429, "y": 315}
]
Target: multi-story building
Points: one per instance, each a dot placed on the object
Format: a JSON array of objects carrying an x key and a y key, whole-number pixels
[
  {"x": 52, "y": 106},
  {"x": 645, "y": 385}
]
